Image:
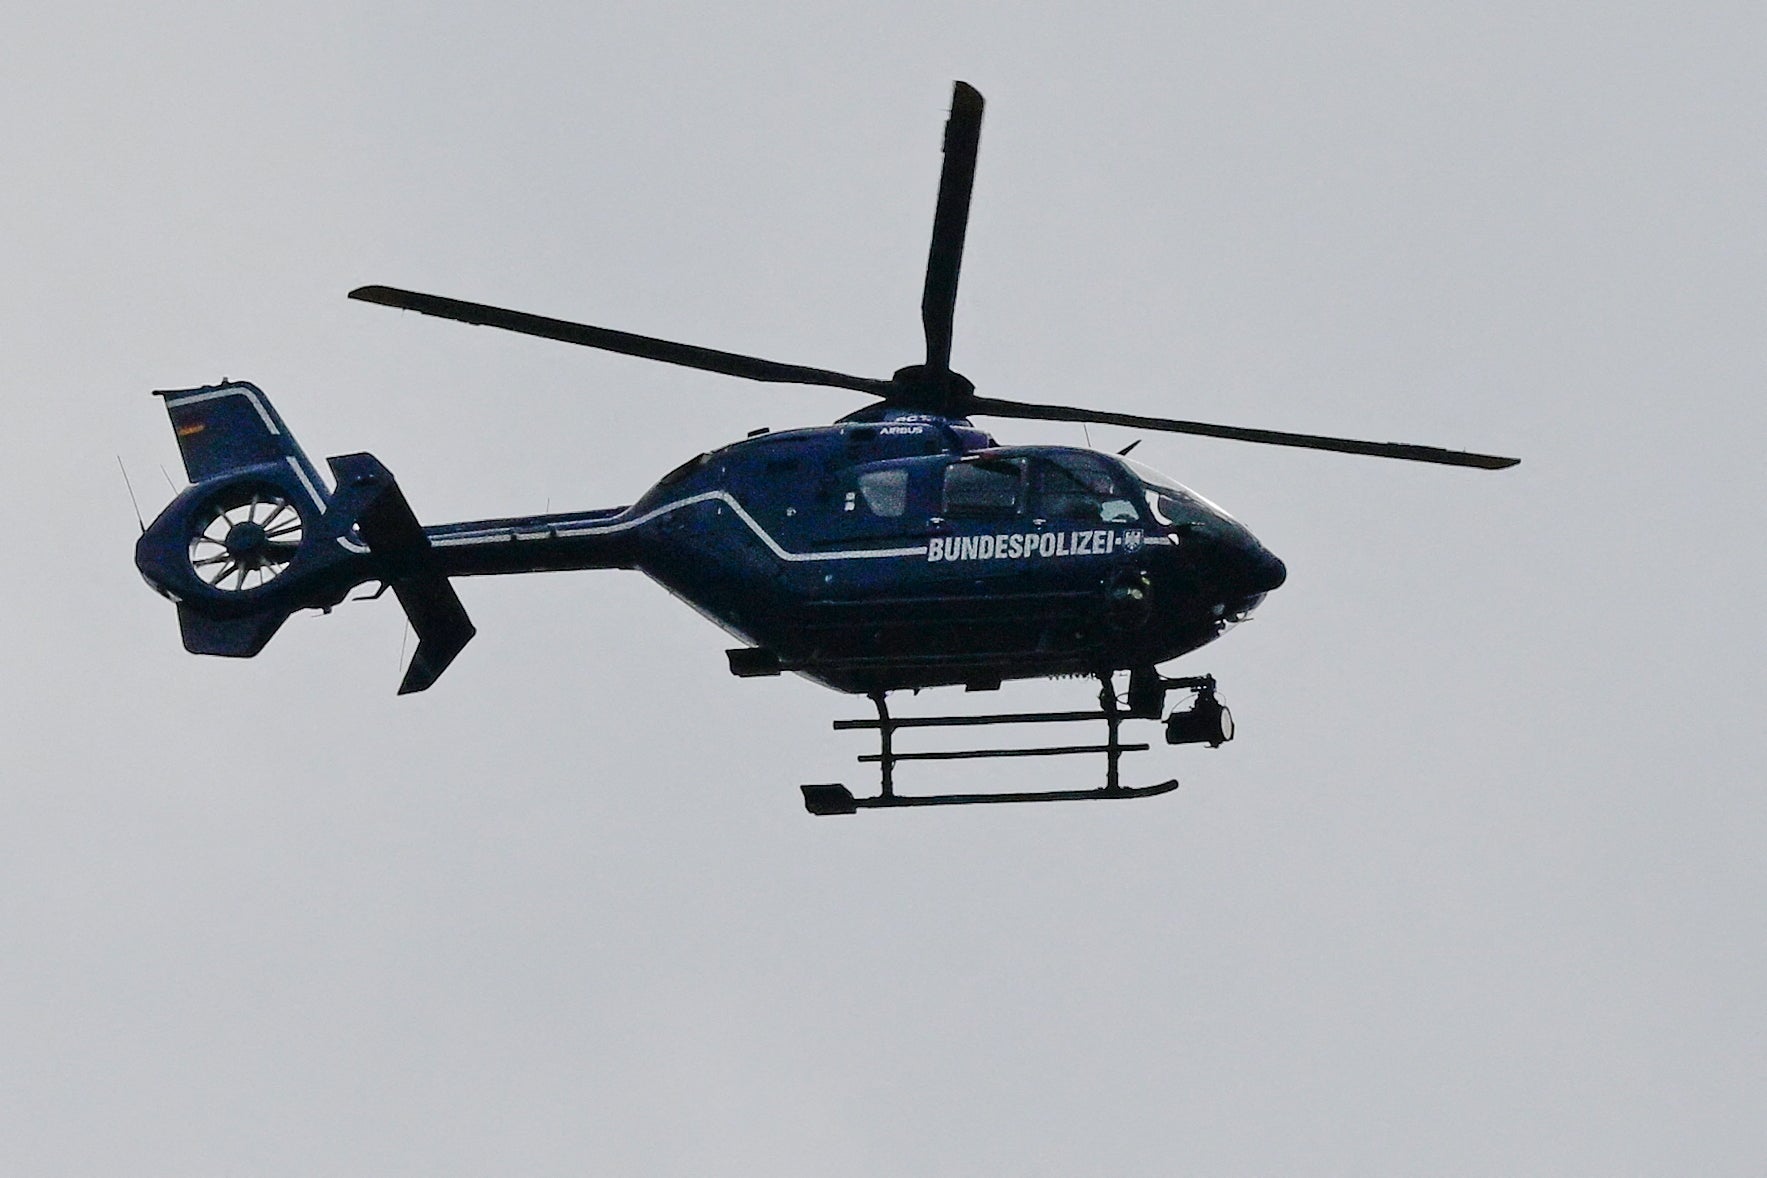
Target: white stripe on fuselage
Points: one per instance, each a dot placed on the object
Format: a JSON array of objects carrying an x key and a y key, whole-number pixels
[
  {"x": 344, "y": 542},
  {"x": 294, "y": 465},
  {"x": 570, "y": 532}
]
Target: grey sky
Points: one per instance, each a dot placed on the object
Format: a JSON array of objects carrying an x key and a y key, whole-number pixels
[{"x": 1478, "y": 890}]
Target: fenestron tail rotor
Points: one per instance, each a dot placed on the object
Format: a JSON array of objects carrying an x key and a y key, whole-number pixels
[
  {"x": 245, "y": 539},
  {"x": 932, "y": 386}
]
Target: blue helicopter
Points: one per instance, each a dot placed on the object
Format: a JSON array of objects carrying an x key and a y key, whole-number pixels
[{"x": 900, "y": 548}]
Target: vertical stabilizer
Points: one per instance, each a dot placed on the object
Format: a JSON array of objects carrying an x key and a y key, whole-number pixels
[{"x": 228, "y": 427}]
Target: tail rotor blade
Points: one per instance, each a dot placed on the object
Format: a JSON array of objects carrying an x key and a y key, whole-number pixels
[{"x": 938, "y": 303}]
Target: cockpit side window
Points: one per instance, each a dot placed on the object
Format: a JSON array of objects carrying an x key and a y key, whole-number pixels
[
  {"x": 1077, "y": 486},
  {"x": 986, "y": 488}
]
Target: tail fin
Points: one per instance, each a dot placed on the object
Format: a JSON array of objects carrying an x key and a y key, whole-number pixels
[
  {"x": 228, "y": 427},
  {"x": 258, "y": 536}
]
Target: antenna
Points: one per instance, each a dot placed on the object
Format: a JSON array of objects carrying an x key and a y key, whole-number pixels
[{"x": 131, "y": 489}]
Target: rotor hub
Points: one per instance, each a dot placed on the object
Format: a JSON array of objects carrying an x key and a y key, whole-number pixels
[
  {"x": 931, "y": 390},
  {"x": 246, "y": 541}
]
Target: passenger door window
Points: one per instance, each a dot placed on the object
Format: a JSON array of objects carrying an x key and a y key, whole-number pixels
[
  {"x": 884, "y": 492},
  {"x": 983, "y": 488}
]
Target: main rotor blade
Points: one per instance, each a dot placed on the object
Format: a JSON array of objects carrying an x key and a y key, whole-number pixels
[
  {"x": 938, "y": 302},
  {"x": 989, "y": 405},
  {"x": 608, "y": 340}
]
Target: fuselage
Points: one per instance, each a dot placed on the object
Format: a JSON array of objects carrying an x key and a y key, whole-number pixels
[{"x": 898, "y": 550}]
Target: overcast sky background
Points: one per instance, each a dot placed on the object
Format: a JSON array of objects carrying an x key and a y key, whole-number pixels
[{"x": 1478, "y": 890}]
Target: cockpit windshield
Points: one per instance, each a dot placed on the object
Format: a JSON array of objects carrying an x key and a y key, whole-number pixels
[{"x": 1170, "y": 500}]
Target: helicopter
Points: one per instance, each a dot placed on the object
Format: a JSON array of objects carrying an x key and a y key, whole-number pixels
[{"x": 901, "y": 547}]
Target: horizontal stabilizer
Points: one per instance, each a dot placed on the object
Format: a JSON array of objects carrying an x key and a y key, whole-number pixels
[{"x": 386, "y": 523}]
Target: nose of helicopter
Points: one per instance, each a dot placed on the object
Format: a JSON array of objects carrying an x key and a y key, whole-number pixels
[
  {"x": 1248, "y": 570},
  {"x": 1264, "y": 570}
]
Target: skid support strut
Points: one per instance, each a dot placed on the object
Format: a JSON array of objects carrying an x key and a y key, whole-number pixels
[{"x": 838, "y": 799}]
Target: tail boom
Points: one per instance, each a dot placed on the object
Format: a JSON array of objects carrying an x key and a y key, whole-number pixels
[{"x": 259, "y": 535}]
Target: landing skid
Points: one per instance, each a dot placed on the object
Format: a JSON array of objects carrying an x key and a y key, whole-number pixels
[
  {"x": 838, "y": 799},
  {"x": 1145, "y": 690}
]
